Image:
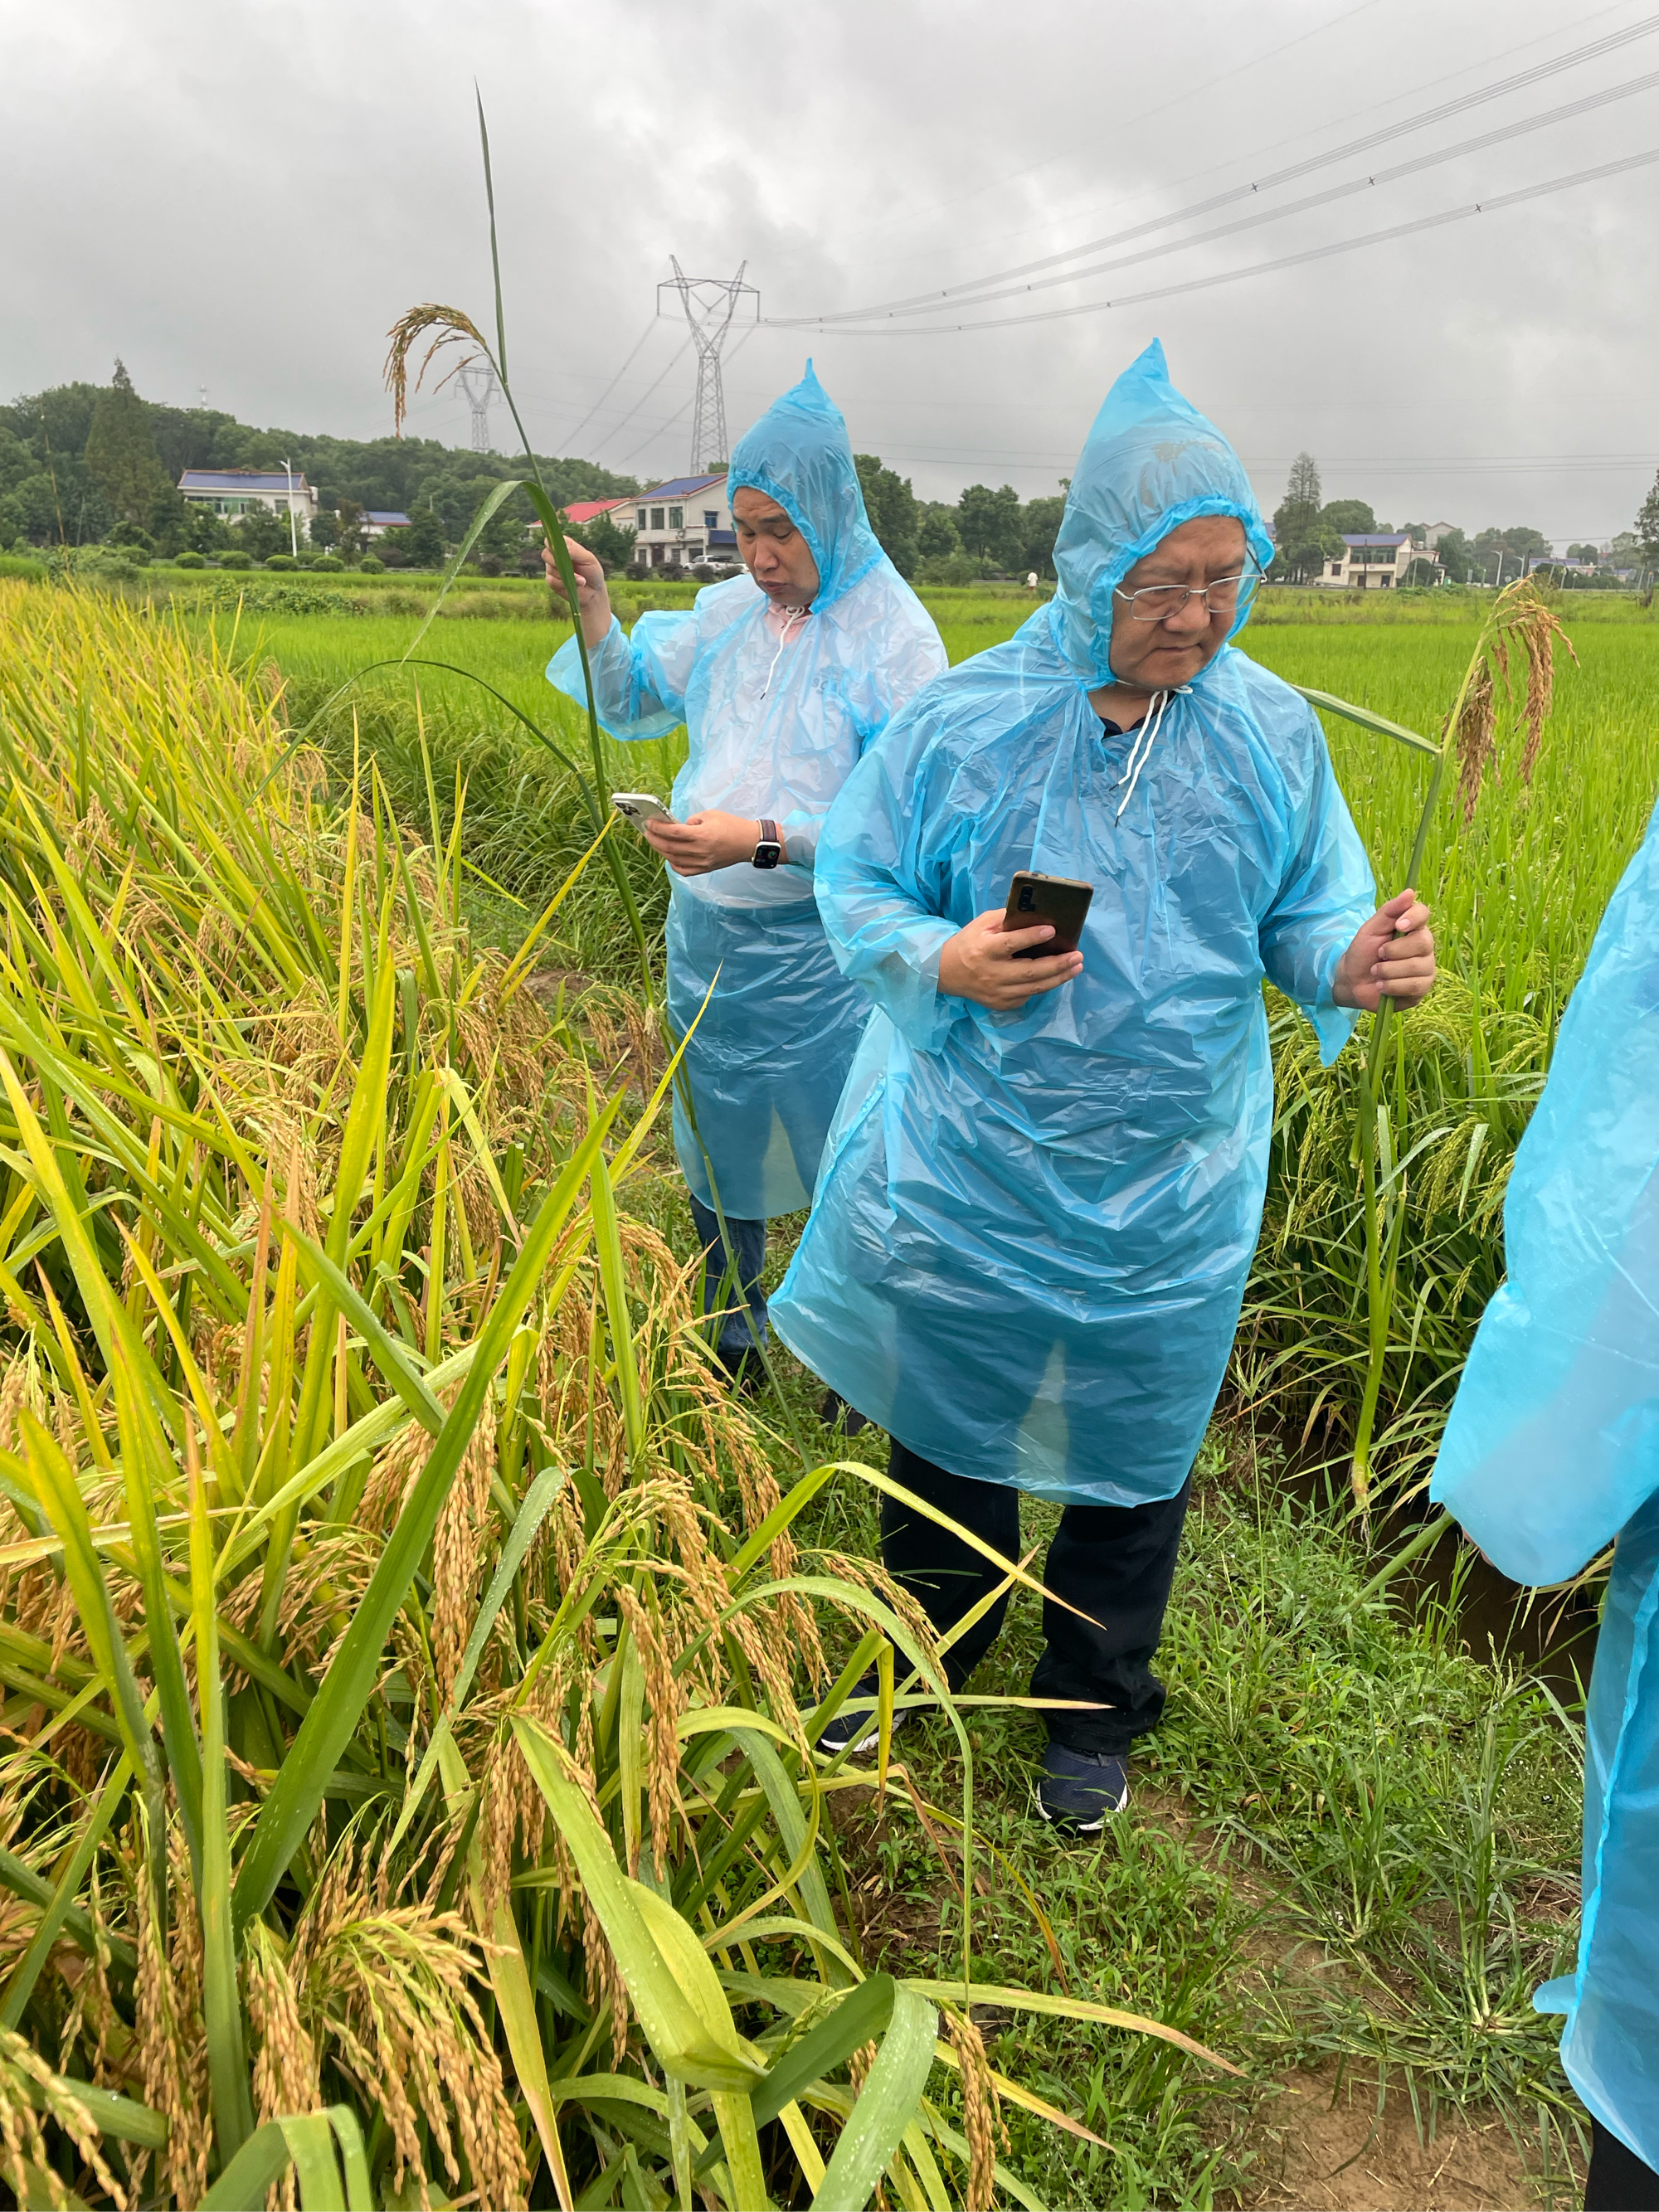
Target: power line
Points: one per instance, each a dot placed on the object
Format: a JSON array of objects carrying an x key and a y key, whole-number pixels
[
  {"x": 1488, "y": 139},
  {"x": 572, "y": 435},
  {"x": 1268, "y": 268},
  {"x": 1149, "y": 114},
  {"x": 1479, "y": 97},
  {"x": 617, "y": 429},
  {"x": 1310, "y": 132}
]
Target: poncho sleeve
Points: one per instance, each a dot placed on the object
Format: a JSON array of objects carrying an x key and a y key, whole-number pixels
[
  {"x": 1325, "y": 892},
  {"x": 1552, "y": 1443},
  {"x": 639, "y": 678},
  {"x": 882, "y": 891}
]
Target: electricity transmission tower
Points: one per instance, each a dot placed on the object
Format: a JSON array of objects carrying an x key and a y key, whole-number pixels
[
  {"x": 710, "y": 303},
  {"x": 479, "y": 385}
]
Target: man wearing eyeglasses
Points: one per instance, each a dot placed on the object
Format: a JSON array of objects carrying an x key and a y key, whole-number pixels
[{"x": 1043, "y": 1188}]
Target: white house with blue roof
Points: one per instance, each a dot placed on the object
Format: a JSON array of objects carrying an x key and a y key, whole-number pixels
[
  {"x": 235, "y": 492},
  {"x": 682, "y": 522},
  {"x": 1379, "y": 560}
]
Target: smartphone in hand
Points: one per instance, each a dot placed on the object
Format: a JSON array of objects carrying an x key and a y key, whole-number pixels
[
  {"x": 1061, "y": 900},
  {"x": 639, "y": 807}
]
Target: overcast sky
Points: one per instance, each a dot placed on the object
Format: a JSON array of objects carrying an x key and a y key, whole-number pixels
[{"x": 244, "y": 196}]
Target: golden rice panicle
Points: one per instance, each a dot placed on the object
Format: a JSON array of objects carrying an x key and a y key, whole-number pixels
[
  {"x": 30, "y": 2094},
  {"x": 388, "y": 1996},
  {"x": 1539, "y": 634},
  {"x": 513, "y": 1812},
  {"x": 171, "y": 2040},
  {"x": 286, "y": 2078},
  {"x": 453, "y": 328},
  {"x": 1476, "y": 739},
  {"x": 457, "y": 1548},
  {"x": 393, "y": 1475},
  {"x": 982, "y": 2114},
  {"x": 665, "y": 1695}
]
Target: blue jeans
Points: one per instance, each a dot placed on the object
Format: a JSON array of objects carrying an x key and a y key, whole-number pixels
[{"x": 742, "y": 1305}]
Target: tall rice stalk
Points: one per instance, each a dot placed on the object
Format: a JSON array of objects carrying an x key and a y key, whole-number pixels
[{"x": 1505, "y": 695}]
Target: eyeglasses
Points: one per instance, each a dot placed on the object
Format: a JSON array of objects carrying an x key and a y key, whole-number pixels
[{"x": 1158, "y": 602}]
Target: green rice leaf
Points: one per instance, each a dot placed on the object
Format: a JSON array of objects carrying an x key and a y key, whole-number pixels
[
  {"x": 221, "y": 2004},
  {"x": 683, "y": 2046},
  {"x": 1329, "y": 704},
  {"x": 885, "y": 2108}
]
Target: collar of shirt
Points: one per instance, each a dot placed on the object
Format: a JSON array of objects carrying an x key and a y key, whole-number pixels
[{"x": 785, "y": 621}]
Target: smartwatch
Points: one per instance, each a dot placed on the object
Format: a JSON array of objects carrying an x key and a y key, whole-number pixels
[{"x": 769, "y": 854}]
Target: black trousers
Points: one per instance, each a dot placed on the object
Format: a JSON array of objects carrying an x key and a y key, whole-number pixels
[
  {"x": 1115, "y": 1563},
  {"x": 1617, "y": 2180}
]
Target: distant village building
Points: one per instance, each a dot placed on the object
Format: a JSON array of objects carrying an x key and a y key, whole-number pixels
[
  {"x": 589, "y": 510},
  {"x": 234, "y": 492},
  {"x": 377, "y": 521},
  {"x": 683, "y": 522},
  {"x": 1381, "y": 560}
]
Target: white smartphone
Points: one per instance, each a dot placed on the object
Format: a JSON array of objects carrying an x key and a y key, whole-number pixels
[{"x": 640, "y": 807}]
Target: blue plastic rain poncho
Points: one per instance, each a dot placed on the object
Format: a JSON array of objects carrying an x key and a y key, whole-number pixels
[
  {"x": 1031, "y": 1230},
  {"x": 777, "y": 712},
  {"x": 1552, "y": 1450}
]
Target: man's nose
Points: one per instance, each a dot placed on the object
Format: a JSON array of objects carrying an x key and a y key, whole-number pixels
[{"x": 1191, "y": 619}]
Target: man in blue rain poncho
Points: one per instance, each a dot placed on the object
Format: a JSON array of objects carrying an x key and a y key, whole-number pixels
[
  {"x": 1044, "y": 1186},
  {"x": 1551, "y": 1452},
  {"x": 782, "y": 677}
]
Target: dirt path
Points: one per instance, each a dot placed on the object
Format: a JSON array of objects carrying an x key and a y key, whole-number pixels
[{"x": 1323, "y": 2147}]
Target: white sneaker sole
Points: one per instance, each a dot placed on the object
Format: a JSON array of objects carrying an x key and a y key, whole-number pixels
[
  {"x": 901, "y": 1720},
  {"x": 1085, "y": 1827}
]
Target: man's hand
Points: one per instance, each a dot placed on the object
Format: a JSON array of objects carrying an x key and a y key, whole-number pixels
[
  {"x": 704, "y": 842},
  {"x": 979, "y": 963},
  {"x": 1393, "y": 955},
  {"x": 593, "y": 600}
]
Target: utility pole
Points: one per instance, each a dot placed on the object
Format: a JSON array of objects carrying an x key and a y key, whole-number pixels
[
  {"x": 479, "y": 385},
  {"x": 710, "y": 303},
  {"x": 293, "y": 526}
]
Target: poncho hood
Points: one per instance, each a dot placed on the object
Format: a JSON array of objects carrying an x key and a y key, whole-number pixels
[
  {"x": 1151, "y": 462},
  {"x": 798, "y": 453}
]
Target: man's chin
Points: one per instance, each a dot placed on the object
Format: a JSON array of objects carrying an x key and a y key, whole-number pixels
[{"x": 1160, "y": 670}]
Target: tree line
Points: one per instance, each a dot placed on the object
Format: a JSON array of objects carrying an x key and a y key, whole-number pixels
[
  {"x": 1309, "y": 531},
  {"x": 84, "y": 464}
]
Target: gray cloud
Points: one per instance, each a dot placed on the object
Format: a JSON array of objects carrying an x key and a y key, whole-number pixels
[{"x": 245, "y": 197}]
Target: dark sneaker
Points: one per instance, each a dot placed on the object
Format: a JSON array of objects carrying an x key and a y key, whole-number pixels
[
  {"x": 1078, "y": 1789},
  {"x": 835, "y": 1409},
  {"x": 856, "y": 1727}
]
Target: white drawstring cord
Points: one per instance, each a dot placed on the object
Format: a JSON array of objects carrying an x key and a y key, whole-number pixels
[
  {"x": 794, "y": 614},
  {"x": 1140, "y": 751}
]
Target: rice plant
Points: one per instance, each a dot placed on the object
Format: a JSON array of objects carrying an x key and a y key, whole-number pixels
[
  {"x": 1493, "y": 718},
  {"x": 409, "y": 1673}
]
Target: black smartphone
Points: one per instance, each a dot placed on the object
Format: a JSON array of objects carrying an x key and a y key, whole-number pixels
[{"x": 1061, "y": 900}]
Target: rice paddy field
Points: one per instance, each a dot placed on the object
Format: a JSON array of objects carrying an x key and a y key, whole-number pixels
[{"x": 409, "y": 1652}]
